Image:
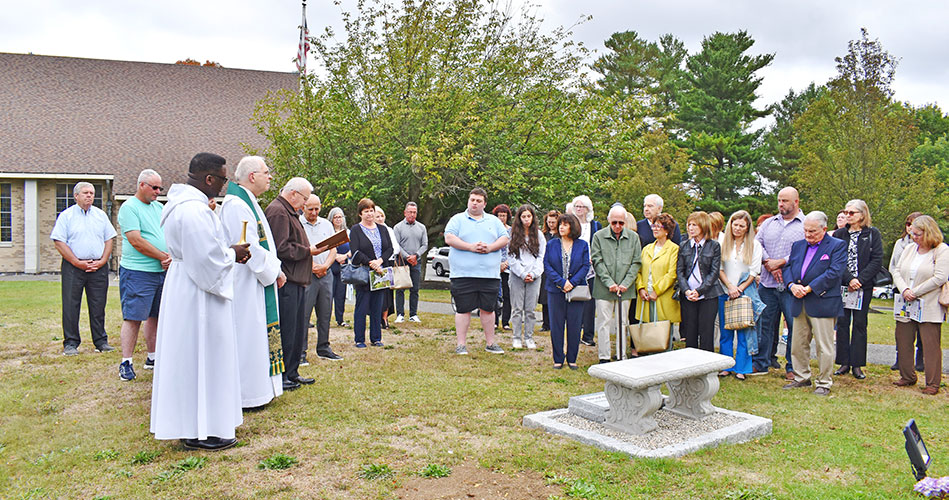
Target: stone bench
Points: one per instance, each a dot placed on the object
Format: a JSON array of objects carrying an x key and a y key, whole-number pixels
[{"x": 632, "y": 387}]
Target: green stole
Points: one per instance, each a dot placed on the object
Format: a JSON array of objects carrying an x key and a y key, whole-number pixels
[{"x": 270, "y": 292}]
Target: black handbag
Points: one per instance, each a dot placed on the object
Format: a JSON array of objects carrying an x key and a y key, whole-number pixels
[
  {"x": 353, "y": 274},
  {"x": 883, "y": 278}
]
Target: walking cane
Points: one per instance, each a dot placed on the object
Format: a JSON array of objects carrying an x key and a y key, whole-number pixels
[{"x": 620, "y": 334}]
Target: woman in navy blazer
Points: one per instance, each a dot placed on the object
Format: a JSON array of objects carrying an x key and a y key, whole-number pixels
[
  {"x": 371, "y": 247},
  {"x": 698, "y": 282},
  {"x": 569, "y": 249}
]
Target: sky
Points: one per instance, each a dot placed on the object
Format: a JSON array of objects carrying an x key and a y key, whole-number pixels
[{"x": 804, "y": 35}]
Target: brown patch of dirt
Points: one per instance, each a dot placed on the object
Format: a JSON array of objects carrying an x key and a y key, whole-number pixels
[
  {"x": 827, "y": 474},
  {"x": 472, "y": 482}
]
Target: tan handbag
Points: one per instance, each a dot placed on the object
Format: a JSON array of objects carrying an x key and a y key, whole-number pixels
[
  {"x": 944, "y": 295},
  {"x": 401, "y": 277},
  {"x": 650, "y": 337}
]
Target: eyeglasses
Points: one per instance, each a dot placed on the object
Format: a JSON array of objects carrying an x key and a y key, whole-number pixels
[
  {"x": 154, "y": 188},
  {"x": 617, "y": 223},
  {"x": 850, "y": 212},
  {"x": 222, "y": 177}
]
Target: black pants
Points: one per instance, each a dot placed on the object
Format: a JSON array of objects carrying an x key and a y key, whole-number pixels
[
  {"x": 319, "y": 297},
  {"x": 96, "y": 286},
  {"x": 293, "y": 325},
  {"x": 698, "y": 323},
  {"x": 852, "y": 344},
  {"x": 505, "y": 317}
]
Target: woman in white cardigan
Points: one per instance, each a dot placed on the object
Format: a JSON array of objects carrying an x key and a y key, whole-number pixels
[
  {"x": 922, "y": 271},
  {"x": 526, "y": 260}
]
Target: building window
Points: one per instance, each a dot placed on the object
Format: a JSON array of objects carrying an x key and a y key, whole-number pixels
[
  {"x": 6, "y": 213},
  {"x": 65, "y": 198}
]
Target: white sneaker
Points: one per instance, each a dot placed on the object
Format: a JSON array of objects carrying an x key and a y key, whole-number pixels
[
  {"x": 400, "y": 319},
  {"x": 530, "y": 344},
  {"x": 461, "y": 350},
  {"x": 414, "y": 319},
  {"x": 516, "y": 343}
]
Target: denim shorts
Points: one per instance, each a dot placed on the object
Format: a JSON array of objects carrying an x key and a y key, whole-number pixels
[{"x": 140, "y": 293}]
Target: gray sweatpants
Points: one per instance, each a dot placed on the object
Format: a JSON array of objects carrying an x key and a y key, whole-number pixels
[{"x": 523, "y": 301}]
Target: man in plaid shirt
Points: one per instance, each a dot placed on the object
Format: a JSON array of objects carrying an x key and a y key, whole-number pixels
[{"x": 776, "y": 236}]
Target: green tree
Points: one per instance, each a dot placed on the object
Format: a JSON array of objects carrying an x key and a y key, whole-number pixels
[
  {"x": 855, "y": 142},
  {"x": 715, "y": 111},
  {"x": 424, "y": 100},
  {"x": 932, "y": 123},
  {"x": 780, "y": 160},
  {"x": 647, "y": 71},
  {"x": 658, "y": 167}
]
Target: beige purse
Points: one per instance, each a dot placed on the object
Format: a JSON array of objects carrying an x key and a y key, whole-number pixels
[
  {"x": 650, "y": 337},
  {"x": 401, "y": 277},
  {"x": 944, "y": 295}
]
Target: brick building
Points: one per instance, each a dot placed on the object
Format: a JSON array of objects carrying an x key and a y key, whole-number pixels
[{"x": 69, "y": 119}]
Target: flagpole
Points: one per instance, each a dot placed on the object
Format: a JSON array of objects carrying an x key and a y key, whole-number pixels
[{"x": 304, "y": 46}]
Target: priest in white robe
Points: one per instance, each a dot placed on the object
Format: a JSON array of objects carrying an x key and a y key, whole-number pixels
[
  {"x": 196, "y": 387},
  {"x": 255, "y": 285}
]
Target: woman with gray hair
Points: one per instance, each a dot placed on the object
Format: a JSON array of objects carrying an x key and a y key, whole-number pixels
[
  {"x": 338, "y": 219},
  {"x": 864, "y": 261},
  {"x": 582, "y": 208}
]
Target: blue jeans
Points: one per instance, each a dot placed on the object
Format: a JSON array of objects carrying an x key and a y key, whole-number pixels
[
  {"x": 339, "y": 293},
  {"x": 778, "y": 303},
  {"x": 727, "y": 339},
  {"x": 415, "y": 272},
  {"x": 588, "y": 324}
]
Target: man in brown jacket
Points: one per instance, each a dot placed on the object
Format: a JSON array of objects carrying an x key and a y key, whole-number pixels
[{"x": 295, "y": 254}]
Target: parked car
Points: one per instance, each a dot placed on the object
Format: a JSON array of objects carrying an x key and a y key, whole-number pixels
[
  {"x": 883, "y": 292},
  {"x": 440, "y": 261},
  {"x": 432, "y": 252}
]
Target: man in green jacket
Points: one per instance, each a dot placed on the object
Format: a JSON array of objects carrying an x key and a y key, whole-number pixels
[{"x": 616, "y": 254}]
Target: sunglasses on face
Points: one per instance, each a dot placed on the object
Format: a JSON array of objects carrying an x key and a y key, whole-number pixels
[
  {"x": 850, "y": 212},
  {"x": 154, "y": 188}
]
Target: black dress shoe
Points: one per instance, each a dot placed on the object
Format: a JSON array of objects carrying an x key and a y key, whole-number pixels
[
  {"x": 289, "y": 385},
  {"x": 588, "y": 342},
  {"x": 895, "y": 366},
  {"x": 210, "y": 444},
  {"x": 303, "y": 380},
  {"x": 842, "y": 370},
  {"x": 858, "y": 373}
]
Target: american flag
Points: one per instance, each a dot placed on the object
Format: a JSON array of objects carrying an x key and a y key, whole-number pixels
[{"x": 304, "y": 46}]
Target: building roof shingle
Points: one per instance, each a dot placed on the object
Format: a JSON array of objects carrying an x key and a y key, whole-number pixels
[{"x": 67, "y": 115}]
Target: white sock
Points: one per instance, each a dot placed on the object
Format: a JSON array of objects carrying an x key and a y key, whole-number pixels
[
  {"x": 151, "y": 356},
  {"x": 127, "y": 359}
]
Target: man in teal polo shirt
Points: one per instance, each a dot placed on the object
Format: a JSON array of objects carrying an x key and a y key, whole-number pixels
[
  {"x": 476, "y": 239},
  {"x": 142, "y": 269}
]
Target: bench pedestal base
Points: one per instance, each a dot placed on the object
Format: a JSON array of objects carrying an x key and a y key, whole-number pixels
[{"x": 632, "y": 410}]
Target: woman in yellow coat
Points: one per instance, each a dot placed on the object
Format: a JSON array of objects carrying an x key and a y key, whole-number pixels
[{"x": 657, "y": 276}]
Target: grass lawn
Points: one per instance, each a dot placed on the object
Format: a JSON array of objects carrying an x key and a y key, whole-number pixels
[{"x": 69, "y": 428}]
